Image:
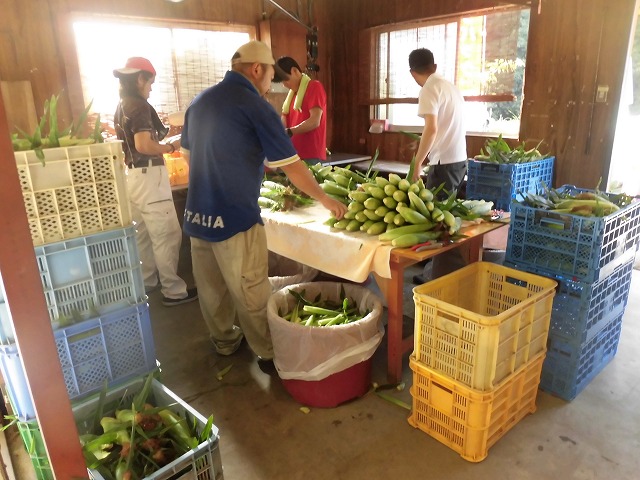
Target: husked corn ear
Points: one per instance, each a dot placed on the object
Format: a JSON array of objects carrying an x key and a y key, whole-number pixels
[
  {"x": 411, "y": 239},
  {"x": 437, "y": 215},
  {"x": 372, "y": 203},
  {"x": 359, "y": 196},
  {"x": 426, "y": 195},
  {"x": 404, "y": 185},
  {"x": 381, "y": 211},
  {"x": 377, "y": 192},
  {"x": 334, "y": 189},
  {"x": 388, "y": 236},
  {"x": 341, "y": 224},
  {"x": 377, "y": 228},
  {"x": 399, "y": 220},
  {"x": 355, "y": 207},
  {"x": 394, "y": 178},
  {"x": 449, "y": 219},
  {"x": 381, "y": 181},
  {"x": 411, "y": 216},
  {"x": 389, "y": 216},
  {"x": 389, "y": 189},
  {"x": 372, "y": 215},
  {"x": 353, "y": 226},
  {"x": 365, "y": 226},
  {"x": 400, "y": 196},
  {"x": 418, "y": 204},
  {"x": 390, "y": 202}
]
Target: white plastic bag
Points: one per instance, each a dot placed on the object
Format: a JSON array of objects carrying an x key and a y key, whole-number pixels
[
  {"x": 284, "y": 272},
  {"x": 314, "y": 353}
]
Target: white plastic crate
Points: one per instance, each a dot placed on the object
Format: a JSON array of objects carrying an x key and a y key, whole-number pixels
[
  {"x": 201, "y": 463},
  {"x": 78, "y": 191},
  {"x": 114, "y": 348},
  {"x": 85, "y": 277}
]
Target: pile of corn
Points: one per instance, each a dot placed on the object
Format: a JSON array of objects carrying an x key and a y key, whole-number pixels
[{"x": 393, "y": 208}]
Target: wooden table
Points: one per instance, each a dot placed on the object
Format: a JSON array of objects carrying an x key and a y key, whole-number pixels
[{"x": 302, "y": 236}]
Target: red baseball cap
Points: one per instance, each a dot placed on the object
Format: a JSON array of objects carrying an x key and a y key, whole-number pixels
[{"x": 135, "y": 65}]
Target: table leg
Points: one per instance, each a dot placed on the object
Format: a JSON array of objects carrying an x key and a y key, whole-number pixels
[
  {"x": 475, "y": 248},
  {"x": 395, "y": 316}
]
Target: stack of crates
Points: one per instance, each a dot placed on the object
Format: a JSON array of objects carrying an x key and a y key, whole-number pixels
[
  {"x": 479, "y": 343},
  {"x": 501, "y": 183},
  {"x": 86, "y": 253},
  {"x": 591, "y": 258}
]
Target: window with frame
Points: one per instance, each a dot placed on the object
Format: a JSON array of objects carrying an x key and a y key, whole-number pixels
[
  {"x": 483, "y": 54},
  {"x": 188, "y": 58}
]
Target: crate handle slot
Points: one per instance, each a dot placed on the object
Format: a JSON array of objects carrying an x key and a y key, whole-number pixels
[
  {"x": 554, "y": 222},
  {"x": 82, "y": 335},
  {"x": 441, "y": 387},
  {"x": 449, "y": 323},
  {"x": 489, "y": 166},
  {"x": 518, "y": 282},
  {"x": 182, "y": 474}
]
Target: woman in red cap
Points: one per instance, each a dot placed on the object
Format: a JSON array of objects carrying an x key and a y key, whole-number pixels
[{"x": 158, "y": 232}]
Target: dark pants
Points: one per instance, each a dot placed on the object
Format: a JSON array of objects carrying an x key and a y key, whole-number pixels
[{"x": 451, "y": 174}]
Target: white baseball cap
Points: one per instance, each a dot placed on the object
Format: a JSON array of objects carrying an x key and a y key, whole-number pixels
[{"x": 253, "y": 52}]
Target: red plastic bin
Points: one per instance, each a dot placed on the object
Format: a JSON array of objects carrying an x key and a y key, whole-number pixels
[{"x": 349, "y": 384}]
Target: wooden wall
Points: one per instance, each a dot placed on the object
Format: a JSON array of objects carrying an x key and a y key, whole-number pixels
[
  {"x": 574, "y": 46},
  {"x": 36, "y": 41}
]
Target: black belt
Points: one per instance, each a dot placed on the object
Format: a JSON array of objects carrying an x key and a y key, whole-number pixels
[{"x": 154, "y": 162}]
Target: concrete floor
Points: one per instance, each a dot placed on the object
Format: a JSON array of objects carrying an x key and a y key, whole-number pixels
[{"x": 265, "y": 436}]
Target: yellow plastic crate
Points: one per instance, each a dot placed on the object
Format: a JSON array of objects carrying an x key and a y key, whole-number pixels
[
  {"x": 479, "y": 324},
  {"x": 466, "y": 420}
]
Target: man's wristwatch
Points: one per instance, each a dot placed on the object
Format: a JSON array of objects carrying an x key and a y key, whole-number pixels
[{"x": 289, "y": 132}]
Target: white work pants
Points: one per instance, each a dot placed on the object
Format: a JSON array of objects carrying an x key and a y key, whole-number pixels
[
  {"x": 158, "y": 232},
  {"x": 233, "y": 290}
]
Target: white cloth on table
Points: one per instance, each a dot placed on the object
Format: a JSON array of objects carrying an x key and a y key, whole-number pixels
[{"x": 300, "y": 234}]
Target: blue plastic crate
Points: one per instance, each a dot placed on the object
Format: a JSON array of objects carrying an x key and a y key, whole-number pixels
[
  {"x": 570, "y": 366},
  {"x": 581, "y": 309},
  {"x": 114, "y": 347},
  {"x": 85, "y": 277},
  {"x": 580, "y": 248},
  {"x": 501, "y": 183}
]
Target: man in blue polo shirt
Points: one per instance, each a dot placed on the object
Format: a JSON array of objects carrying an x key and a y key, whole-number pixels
[{"x": 229, "y": 131}]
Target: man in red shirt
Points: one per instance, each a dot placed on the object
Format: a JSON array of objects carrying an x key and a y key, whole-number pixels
[{"x": 303, "y": 112}]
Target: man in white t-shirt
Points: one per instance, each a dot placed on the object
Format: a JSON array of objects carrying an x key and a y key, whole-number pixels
[{"x": 443, "y": 142}]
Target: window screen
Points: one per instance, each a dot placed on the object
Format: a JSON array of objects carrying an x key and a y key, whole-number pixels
[{"x": 187, "y": 60}]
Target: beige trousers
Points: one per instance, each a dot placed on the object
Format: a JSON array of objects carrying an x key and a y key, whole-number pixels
[
  {"x": 233, "y": 290},
  {"x": 158, "y": 232}
]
